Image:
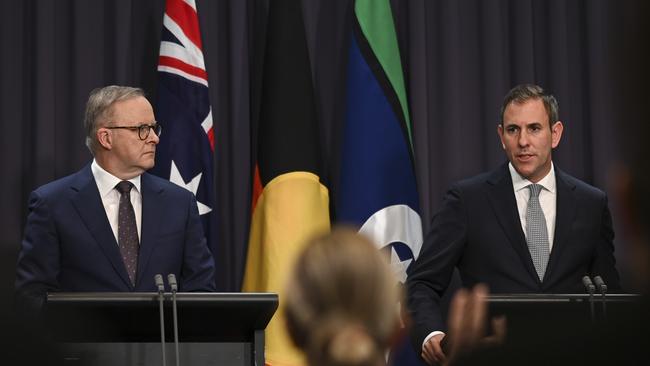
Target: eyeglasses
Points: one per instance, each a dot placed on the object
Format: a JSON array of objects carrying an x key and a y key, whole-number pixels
[{"x": 143, "y": 130}]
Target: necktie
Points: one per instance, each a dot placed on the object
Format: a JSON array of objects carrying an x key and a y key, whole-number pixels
[
  {"x": 536, "y": 231},
  {"x": 127, "y": 231}
]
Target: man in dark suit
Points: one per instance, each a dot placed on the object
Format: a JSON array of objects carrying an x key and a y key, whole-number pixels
[
  {"x": 111, "y": 226},
  {"x": 526, "y": 227}
]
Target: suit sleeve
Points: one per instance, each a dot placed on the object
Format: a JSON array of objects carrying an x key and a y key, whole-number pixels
[
  {"x": 603, "y": 262},
  {"x": 37, "y": 269},
  {"x": 430, "y": 275},
  {"x": 198, "y": 269}
]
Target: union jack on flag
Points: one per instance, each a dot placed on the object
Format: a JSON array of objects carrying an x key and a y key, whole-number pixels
[{"x": 185, "y": 152}]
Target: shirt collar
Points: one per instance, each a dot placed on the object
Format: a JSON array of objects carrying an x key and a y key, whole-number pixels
[
  {"x": 519, "y": 182},
  {"x": 106, "y": 181}
]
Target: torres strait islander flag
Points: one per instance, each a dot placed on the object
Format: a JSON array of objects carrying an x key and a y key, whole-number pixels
[
  {"x": 293, "y": 203},
  {"x": 377, "y": 190},
  {"x": 185, "y": 152}
]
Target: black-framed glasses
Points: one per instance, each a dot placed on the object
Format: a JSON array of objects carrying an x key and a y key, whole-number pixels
[{"x": 143, "y": 129}]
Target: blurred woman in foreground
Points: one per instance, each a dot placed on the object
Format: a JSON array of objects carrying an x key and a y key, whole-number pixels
[{"x": 342, "y": 301}]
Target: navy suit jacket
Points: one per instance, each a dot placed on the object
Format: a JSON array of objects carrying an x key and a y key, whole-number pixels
[
  {"x": 478, "y": 231},
  {"x": 69, "y": 245}
]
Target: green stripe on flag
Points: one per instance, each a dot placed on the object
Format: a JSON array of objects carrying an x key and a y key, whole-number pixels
[{"x": 376, "y": 20}]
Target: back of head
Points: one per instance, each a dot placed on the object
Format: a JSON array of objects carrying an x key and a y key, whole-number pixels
[{"x": 341, "y": 304}]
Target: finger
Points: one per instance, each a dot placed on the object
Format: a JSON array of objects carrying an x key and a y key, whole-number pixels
[
  {"x": 499, "y": 325},
  {"x": 428, "y": 352},
  {"x": 478, "y": 310},
  {"x": 499, "y": 328},
  {"x": 438, "y": 355},
  {"x": 427, "y": 358},
  {"x": 457, "y": 314}
]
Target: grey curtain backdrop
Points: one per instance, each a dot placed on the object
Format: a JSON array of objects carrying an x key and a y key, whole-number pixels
[{"x": 460, "y": 57}]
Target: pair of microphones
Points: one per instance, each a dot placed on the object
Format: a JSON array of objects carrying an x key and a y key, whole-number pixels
[
  {"x": 591, "y": 287},
  {"x": 173, "y": 285}
]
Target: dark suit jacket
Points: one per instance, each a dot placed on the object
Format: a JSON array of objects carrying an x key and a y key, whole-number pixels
[
  {"x": 69, "y": 245},
  {"x": 478, "y": 230}
]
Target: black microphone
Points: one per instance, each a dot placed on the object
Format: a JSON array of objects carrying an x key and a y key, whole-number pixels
[
  {"x": 171, "y": 278},
  {"x": 602, "y": 288},
  {"x": 589, "y": 286},
  {"x": 161, "y": 296}
]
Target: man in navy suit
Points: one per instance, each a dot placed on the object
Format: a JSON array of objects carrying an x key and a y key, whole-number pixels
[
  {"x": 84, "y": 234},
  {"x": 491, "y": 229}
]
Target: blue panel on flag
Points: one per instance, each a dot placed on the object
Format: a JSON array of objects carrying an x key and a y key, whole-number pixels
[
  {"x": 376, "y": 168},
  {"x": 181, "y": 107}
]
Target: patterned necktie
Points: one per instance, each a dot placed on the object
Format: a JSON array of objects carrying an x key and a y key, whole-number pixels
[
  {"x": 536, "y": 231},
  {"x": 127, "y": 231}
]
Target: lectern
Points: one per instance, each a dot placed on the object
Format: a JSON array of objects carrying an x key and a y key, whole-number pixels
[
  {"x": 124, "y": 328},
  {"x": 551, "y": 314}
]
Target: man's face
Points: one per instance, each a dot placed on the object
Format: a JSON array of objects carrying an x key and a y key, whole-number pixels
[
  {"x": 528, "y": 139},
  {"x": 131, "y": 156}
]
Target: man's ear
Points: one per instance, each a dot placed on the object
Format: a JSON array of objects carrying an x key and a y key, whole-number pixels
[
  {"x": 105, "y": 138},
  {"x": 500, "y": 133},
  {"x": 556, "y": 133}
]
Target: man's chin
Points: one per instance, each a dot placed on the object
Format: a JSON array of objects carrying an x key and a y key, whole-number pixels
[
  {"x": 149, "y": 165},
  {"x": 524, "y": 170}
]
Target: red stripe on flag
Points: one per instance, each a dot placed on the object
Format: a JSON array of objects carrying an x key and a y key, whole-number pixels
[
  {"x": 178, "y": 64},
  {"x": 211, "y": 138},
  {"x": 257, "y": 188},
  {"x": 186, "y": 18}
]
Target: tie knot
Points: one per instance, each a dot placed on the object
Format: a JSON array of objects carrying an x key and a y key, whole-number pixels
[
  {"x": 124, "y": 187},
  {"x": 535, "y": 189}
]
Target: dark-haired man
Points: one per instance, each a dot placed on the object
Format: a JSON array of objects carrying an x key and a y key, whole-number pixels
[{"x": 526, "y": 227}]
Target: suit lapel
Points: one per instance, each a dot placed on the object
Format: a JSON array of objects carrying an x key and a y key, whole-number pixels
[
  {"x": 502, "y": 198},
  {"x": 151, "y": 208},
  {"x": 565, "y": 214},
  {"x": 91, "y": 210}
]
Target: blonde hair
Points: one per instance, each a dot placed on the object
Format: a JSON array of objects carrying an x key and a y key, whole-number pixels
[{"x": 341, "y": 304}]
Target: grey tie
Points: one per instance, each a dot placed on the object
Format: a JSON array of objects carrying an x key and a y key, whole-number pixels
[
  {"x": 127, "y": 231},
  {"x": 536, "y": 232}
]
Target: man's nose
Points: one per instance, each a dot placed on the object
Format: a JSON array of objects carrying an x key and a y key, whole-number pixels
[
  {"x": 522, "y": 139},
  {"x": 153, "y": 137}
]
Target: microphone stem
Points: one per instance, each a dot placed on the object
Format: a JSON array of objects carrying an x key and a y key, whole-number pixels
[
  {"x": 591, "y": 306},
  {"x": 162, "y": 327},
  {"x": 175, "y": 326}
]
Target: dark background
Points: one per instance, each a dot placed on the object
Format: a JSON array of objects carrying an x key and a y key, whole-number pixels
[{"x": 460, "y": 58}]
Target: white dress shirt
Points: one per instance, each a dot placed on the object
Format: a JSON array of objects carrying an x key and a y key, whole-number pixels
[
  {"x": 547, "y": 199},
  {"x": 106, "y": 183}
]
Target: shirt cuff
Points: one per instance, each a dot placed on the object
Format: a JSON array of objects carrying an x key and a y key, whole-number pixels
[{"x": 434, "y": 333}]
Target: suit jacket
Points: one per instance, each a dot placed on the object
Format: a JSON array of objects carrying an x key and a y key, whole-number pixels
[
  {"x": 69, "y": 245},
  {"x": 478, "y": 230}
]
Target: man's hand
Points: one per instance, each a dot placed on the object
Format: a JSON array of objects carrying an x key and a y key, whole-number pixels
[
  {"x": 467, "y": 328},
  {"x": 432, "y": 351},
  {"x": 468, "y": 322}
]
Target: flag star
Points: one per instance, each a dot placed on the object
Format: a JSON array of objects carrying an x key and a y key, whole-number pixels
[
  {"x": 399, "y": 266},
  {"x": 192, "y": 186}
]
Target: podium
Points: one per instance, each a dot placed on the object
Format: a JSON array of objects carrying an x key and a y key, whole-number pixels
[
  {"x": 124, "y": 328},
  {"x": 550, "y": 314}
]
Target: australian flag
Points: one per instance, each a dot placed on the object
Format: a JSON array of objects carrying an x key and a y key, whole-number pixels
[{"x": 186, "y": 149}]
